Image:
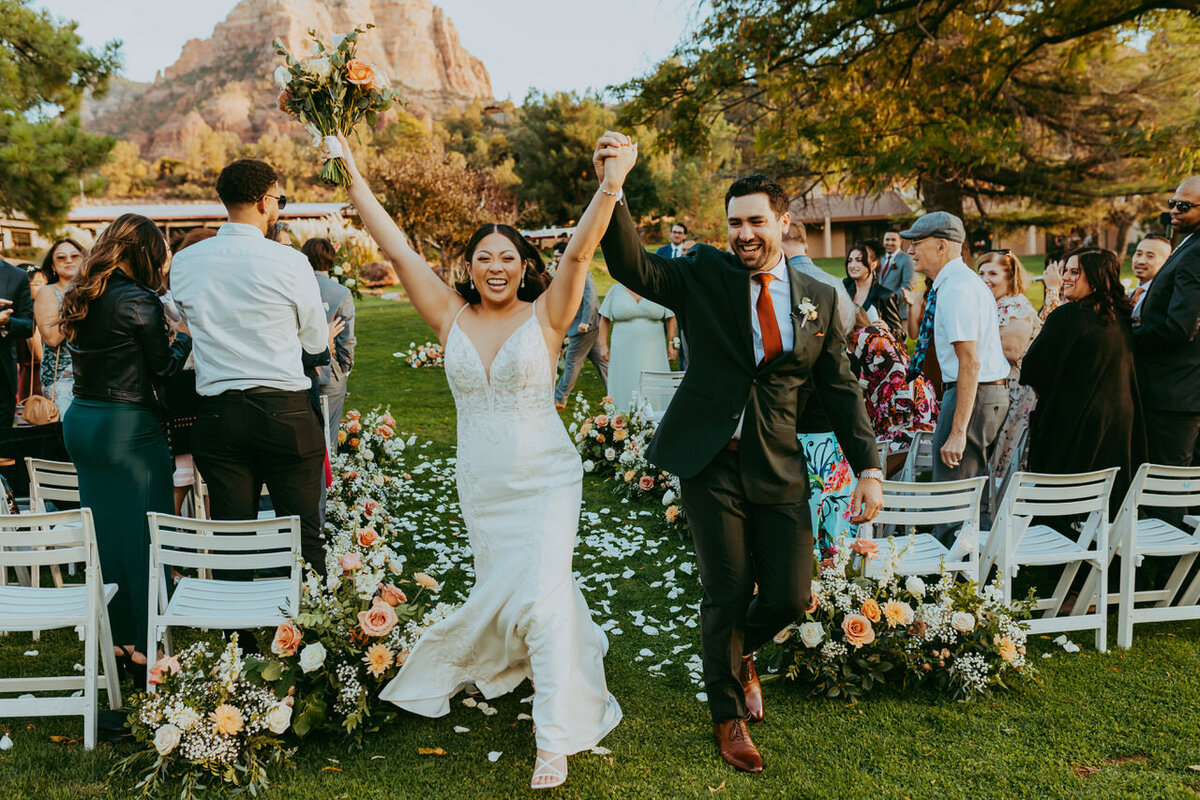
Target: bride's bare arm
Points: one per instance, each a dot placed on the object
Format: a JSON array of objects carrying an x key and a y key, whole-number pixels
[
  {"x": 436, "y": 302},
  {"x": 615, "y": 156}
]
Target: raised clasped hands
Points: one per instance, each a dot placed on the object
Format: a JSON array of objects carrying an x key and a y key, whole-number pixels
[
  {"x": 613, "y": 158},
  {"x": 1052, "y": 277}
]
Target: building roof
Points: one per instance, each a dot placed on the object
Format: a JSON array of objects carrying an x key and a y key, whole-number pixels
[
  {"x": 849, "y": 208},
  {"x": 173, "y": 212}
]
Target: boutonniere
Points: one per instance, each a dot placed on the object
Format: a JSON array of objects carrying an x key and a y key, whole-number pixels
[{"x": 805, "y": 311}]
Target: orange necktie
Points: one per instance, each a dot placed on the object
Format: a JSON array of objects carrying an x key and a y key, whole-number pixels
[
  {"x": 767, "y": 324},
  {"x": 1137, "y": 293}
]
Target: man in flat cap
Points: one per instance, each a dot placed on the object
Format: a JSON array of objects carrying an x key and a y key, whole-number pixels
[{"x": 961, "y": 320}]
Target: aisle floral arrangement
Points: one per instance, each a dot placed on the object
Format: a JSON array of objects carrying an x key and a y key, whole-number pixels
[
  {"x": 429, "y": 354},
  {"x": 959, "y": 638},
  {"x": 369, "y": 441},
  {"x": 332, "y": 92}
]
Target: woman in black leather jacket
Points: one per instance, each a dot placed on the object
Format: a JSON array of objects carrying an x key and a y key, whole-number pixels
[{"x": 122, "y": 352}]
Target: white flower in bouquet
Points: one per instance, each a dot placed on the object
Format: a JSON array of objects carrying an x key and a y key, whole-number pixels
[
  {"x": 812, "y": 634},
  {"x": 337, "y": 39},
  {"x": 321, "y": 67},
  {"x": 589, "y": 466},
  {"x": 281, "y": 76},
  {"x": 166, "y": 739},
  {"x": 312, "y": 657},
  {"x": 279, "y": 717},
  {"x": 183, "y": 717},
  {"x": 668, "y": 497},
  {"x": 915, "y": 586},
  {"x": 963, "y": 621},
  {"x": 610, "y": 454}
]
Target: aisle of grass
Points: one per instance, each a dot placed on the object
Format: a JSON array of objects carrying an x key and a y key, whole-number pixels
[{"x": 1117, "y": 725}]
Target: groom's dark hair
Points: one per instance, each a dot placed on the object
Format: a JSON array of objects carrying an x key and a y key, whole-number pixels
[
  {"x": 760, "y": 184},
  {"x": 246, "y": 180}
]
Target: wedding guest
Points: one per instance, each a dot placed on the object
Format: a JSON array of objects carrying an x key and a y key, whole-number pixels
[
  {"x": 1151, "y": 253},
  {"x": 339, "y": 305},
  {"x": 960, "y": 316},
  {"x": 29, "y": 350},
  {"x": 122, "y": 352},
  {"x": 60, "y": 266},
  {"x": 1088, "y": 414},
  {"x": 930, "y": 366},
  {"x": 898, "y": 407},
  {"x": 896, "y": 272},
  {"x": 1004, "y": 275},
  {"x": 583, "y": 343},
  {"x": 862, "y": 284},
  {"x": 280, "y": 232},
  {"x": 1168, "y": 347},
  {"x": 16, "y": 325},
  {"x": 675, "y": 248},
  {"x": 255, "y": 311},
  {"x": 637, "y": 343}
]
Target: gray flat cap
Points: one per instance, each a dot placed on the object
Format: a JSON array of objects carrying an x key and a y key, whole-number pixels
[{"x": 939, "y": 225}]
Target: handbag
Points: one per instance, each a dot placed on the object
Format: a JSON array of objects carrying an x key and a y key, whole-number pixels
[{"x": 38, "y": 409}]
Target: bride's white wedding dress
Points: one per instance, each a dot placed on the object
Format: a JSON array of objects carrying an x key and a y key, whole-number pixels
[{"x": 520, "y": 488}]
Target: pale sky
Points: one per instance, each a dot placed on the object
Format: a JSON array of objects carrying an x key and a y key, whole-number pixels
[{"x": 545, "y": 44}]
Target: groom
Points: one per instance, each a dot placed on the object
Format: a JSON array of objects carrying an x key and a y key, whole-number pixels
[{"x": 764, "y": 338}]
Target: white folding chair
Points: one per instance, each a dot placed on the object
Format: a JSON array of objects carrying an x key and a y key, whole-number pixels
[
  {"x": 219, "y": 603},
  {"x": 658, "y": 385},
  {"x": 927, "y": 504},
  {"x": 50, "y": 482},
  {"x": 330, "y": 441},
  {"x": 1015, "y": 542},
  {"x": 200, "y": 500},
  {"x": 920, "y": 457},
  {"x": 63, "y": 537},
  {"x": 1155, "y": 486},
  {"x": 1002, "y": 472}
]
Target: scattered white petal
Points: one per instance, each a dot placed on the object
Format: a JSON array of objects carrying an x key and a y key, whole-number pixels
[
  {"x": 494, "y": 756},
  {"x": 524, "y": 716},
  {"x": 702, "y": 697},
  {"x": 645, "y": 651},
  {"x": 461, "y": 729},
  {"x": 470, "y": 702},
  {"x": 650, "y": 630},
  {"x": 1071, "y": 647},
  {"x": 5, "y": 742},
  {"x": 31, "y": 652},
  {"x": 489, "y": 711},
  {"x": 601, "y": 751},
  {"x": 527, "y": 699}
]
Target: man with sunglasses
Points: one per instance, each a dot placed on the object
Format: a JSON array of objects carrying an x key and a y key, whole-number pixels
[
  {"x": 255, "y": 312},
  {"x": 1168, "y": 343}
]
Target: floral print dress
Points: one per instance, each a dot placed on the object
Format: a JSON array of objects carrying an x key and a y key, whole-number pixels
[{"x": 897, "y": 408}]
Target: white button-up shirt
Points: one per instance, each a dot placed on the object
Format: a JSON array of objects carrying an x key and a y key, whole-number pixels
[
  {"x": 252, "y": 306},
  {"x": 966, "y": 312},
  {"x": 781, "y": 299}
]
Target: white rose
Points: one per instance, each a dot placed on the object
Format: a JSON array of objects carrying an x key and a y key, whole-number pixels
[
  {"x": 351, "y": 282},
  {"x": 588, "y": 466},
  {"x": 668, "y": 497},
  {"x": 610, "y": 454},
  {"x": 166, "y": 738},
  {"x": 184, "y": 718},
  {"x": 812, "y": 634},
  {"x": 282, "y": 76},
  {"x": 279, "y": 718},
  {"x": 320, "y": 67},
  {"x": 312, "y": 657},
  {"x": 963, "y": 622},
  {"x": 915, "y": 586},
  {"x": 338, "y": 271}
]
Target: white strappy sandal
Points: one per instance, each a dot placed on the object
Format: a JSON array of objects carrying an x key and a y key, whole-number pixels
[{"x": 544, "y": 768}]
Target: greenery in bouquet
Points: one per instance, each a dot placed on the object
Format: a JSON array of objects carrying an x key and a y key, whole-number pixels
[
  {"x": 865, "y": 624},
  {"x": 208, "y": 726},
  {"x": 332, "y": 91},
  {"x": 429, "y": 354}
]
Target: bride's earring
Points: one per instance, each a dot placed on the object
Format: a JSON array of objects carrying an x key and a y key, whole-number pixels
[
  {"x": 471, "y": 280},
  {"x": 522, "y": 280}
]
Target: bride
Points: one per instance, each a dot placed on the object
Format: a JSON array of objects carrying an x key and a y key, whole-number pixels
[{"x": 519, "y": 476}]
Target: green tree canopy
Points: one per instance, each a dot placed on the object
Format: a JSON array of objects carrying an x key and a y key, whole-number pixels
[
  {"x": 1056, "y": 101},
  {"x": 44, "y": 72}
]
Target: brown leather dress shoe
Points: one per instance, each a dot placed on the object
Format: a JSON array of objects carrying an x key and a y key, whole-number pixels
[
  {"x": 752, "y": 689},
  {"x": 733, "y": 737}
]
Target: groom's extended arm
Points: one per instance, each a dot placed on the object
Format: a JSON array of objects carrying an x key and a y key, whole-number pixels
[
  {"x": 842, "y": 397},
  {"x": 660, "y": 279}
]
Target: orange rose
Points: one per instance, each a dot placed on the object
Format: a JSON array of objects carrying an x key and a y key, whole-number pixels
[
  {"x": 812, "y": 604},
  {"x": 391, "y": 595},
  {"x": 378, "y": 620},
  {"x": 602, "y": 420},
  {"x": 389, "y": 420},
  {"x": 606, "y": 400},
  {"x": 620, "y": 435},
  {"x": 353, "y": 442},
  {"x": 342, "y": 437},
  {"x": 287, "y": 640},
  {"x": 858, "y": 630},
  {"x": 367, "y": 537},
  {"x": 353, "y": 426},
  {"x": 646, "y": 483},
  {"x": 384, "y": 431},
  {"x": 865, "y": 547},
  {"x": 360, "y": 73},
  {"x": 284, "y": 97},
  {"x": 352, "y": 414},
  {"x": 370, "y": 507},
  {"x": 618, "y": 422},
  {"x": 870, "y": 610}
]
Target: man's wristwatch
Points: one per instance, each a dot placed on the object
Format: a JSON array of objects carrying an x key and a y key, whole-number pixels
[{"x": 877, "y": 474}]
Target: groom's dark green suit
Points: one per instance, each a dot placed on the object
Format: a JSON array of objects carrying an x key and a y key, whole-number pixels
[{"x": 746, "y": 502}]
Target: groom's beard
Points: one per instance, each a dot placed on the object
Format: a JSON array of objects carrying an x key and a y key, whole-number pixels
[{"x": 765, "y": 256}]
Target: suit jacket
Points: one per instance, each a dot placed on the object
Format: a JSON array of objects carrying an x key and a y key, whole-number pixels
[
  {"x": 1167, "y": 347},
  {"x": 14, "y": 286},
  {"x": 338, "y": 302},
  {"x": 589, "y": 308},
  {"x": 884, "y": 303},
  {"x": 665, "y": 251},
  {"x": 709, "y": 291},
  {"x": 901, "y": 275}
]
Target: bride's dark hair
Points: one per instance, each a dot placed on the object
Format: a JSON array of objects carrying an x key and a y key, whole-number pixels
[{"x": 536, "y": 279}]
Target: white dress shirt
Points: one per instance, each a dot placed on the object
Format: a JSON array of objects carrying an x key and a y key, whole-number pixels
[
  {"x": 966, "y": 312},
  {"x": 781, "y": 300},
  {"x": 676, "y": 250},
  {"x": 252, "y": 306}
]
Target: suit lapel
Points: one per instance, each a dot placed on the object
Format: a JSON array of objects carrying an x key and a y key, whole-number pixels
[
  {"x": 1168, "y": 267},
  {"x": 797, "y": 290},
  {"x": 737, "y": 282}
]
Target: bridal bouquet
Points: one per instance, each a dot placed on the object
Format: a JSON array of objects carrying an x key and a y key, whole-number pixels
[
  {"x": 332, "y": 92},
  {"x": 859, "y": 629},
  {"x": 208, "y": 725}
]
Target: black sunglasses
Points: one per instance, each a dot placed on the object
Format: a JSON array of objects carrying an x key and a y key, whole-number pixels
[
  {"x": 1182, "y": 206},
  {"x": 282, "y": 198}
]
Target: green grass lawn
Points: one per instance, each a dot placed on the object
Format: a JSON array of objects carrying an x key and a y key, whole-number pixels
[{"x": 1117, "y": 725}]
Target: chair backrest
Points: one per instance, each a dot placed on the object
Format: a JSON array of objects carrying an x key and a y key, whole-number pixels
[
  {"x": 881, "y": 446},
  {"x": 50, "y": 481},
  {"x": 43, "y": 540},
  {"x": 923, "y": 504},
  {"x": 920, "y": 457},
  {"x": 1157, "y": 486},
  {"x": 660, "y": 385}
]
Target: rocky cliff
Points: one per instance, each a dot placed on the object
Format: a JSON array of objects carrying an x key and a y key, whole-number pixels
[{"x": 223, "y": 83}]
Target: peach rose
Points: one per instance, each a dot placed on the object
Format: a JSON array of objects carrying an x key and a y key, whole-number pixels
[
  {"x": 858, "y": 630},
  {"x": 870, "y": 610},
  {"x": 378, "y": 620},
  {"x": 1008, "y": 650},
  {"x": 360, "y": 73},
  {"x": 389, "y": 420},
  {"x": 350, "y": 562},
  {"x": 812, "y": 604},
  {"x": 602, "y": 420},
  {"x": 865, "y": 547},
  {"x": 287, "y": 640},
  {"x": 354, "y": 426},
  {"x": 367, "y": 537},
  {"x": 370, "y": 507},
  {"x": 646, "y": 483},
  {"x": 606, "y": 400},
  {"x": 672, "y": 514},
  {"x": 897, "y": 613},
  {"x": 600, "y": 438},
  {"x": 618, "y": 422},
  {"x": 353, "y": 442},
  {"x": 384, "y": 431},
  {"x": 391, "y": 595},
  {"x": 161, "y": 668},
  {"x": 284, "y": 97},
  {"x": 353, "y": 414}
]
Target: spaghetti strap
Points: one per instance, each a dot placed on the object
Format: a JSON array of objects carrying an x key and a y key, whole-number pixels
[{"x": 459, "y": 314}]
